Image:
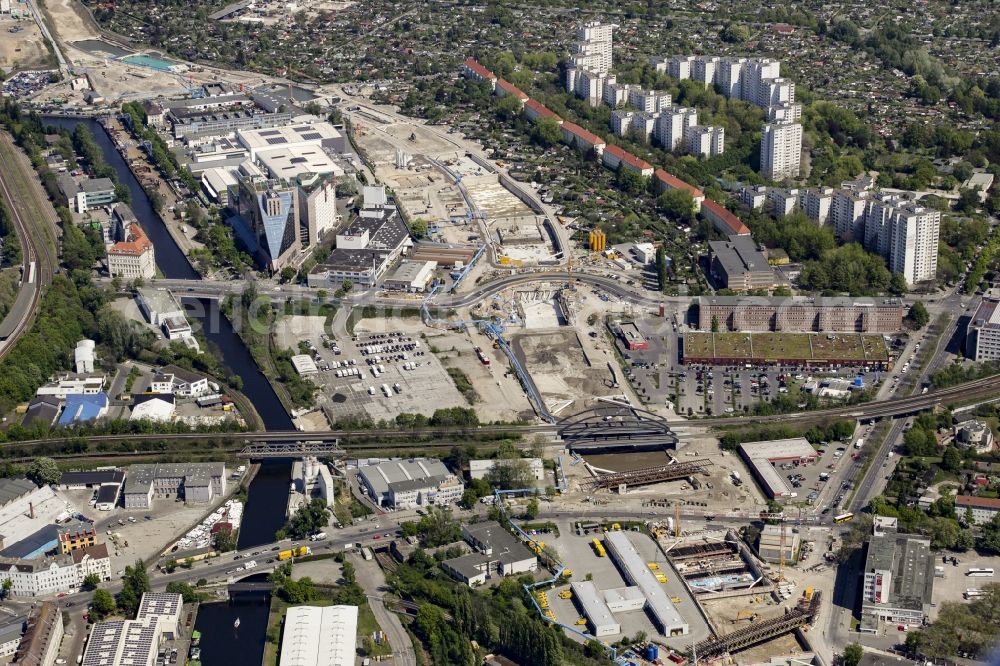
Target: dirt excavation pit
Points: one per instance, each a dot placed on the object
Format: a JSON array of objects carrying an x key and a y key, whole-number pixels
[{"x": 559, "y": 367}]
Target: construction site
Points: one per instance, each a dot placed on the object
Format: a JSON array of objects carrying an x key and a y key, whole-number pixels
[
  {"x": 753, "y": 608},
  {"x": 465, "y": 199}
]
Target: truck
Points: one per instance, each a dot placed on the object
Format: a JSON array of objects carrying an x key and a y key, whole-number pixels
[
  {"x": 858, "y": 444},
  {"x": 252, "y": 564},
  {"x": 385, "y": 389},
  {"x": 298, "y": 551},
  {"x": 318, "y": 536}
]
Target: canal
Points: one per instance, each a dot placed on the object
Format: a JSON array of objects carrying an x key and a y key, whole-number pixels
[{"x": 222, "y": 643}]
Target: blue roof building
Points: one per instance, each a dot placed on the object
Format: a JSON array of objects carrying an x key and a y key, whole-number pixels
[{"x": 83, "y": 408}]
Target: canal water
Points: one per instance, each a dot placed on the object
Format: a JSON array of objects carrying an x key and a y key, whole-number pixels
[{"x": 222, "y": 643}]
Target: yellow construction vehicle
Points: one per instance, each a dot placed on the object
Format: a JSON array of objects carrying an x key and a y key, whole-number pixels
[
  {"x": 567, "y": 573},
  {"x": 615, "y": 526},
  {"x": 675, "y": 600},
  {"x": 653, "y": 566},
  {"x": 565, "y": 594},
  {"x": 581, "y": 622},
  {"x": 807, "y": 594},
  {"x": 661, "y": 578}
]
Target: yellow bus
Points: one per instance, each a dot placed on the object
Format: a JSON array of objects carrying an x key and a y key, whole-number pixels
[{"x": 843, "y": 518}]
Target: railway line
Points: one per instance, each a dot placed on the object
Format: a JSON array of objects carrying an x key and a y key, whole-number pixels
[
  {"x": 38, "y": 260},
  {"x": 441, "y": 437}
]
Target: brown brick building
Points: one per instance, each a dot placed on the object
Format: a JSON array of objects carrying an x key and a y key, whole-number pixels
[{"x": 794, "y": 315}]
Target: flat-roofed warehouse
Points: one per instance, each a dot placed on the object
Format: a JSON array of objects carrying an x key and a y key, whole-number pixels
[
  {"x": 664, "y": 614},
  {"x": 762, "y": 456},
  {"x": 404, "y": 484},
  {"x": 800, "y": 314},
  {"x": 601, "y": 621}
]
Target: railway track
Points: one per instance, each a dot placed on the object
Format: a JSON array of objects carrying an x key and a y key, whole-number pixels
[
  {"x": 37, "y": 253},
  {"x": 355, "y": 439}
]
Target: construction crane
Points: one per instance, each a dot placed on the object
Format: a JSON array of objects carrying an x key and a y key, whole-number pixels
[{"x": 677, "y": 519}]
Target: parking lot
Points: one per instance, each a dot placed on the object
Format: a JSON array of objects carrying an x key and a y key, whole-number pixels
[
  {"x": 658, "y": 376},
  {"x": 577, "y": 553},
  {"x": 380, "y": 375}
]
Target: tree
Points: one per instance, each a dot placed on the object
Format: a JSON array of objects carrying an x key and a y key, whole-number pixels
[
  {"x": 469, "y": 499},
  {"x": 102, "y": 605},
  {"x": 917, "y": 316},
  {"x": 310, "y": 518},
  {"x": 531, "y": 510},
  {"x": 187, "y": 592},
  {"x": 288, "y": 273},
  {"x": 419, "y": 228},
  {"x": 508, "y": 107},
  {"x": 509, "y": 474},
  {"x": 677, "y": 204},
  {"x": 225, "y": 540},
  {"x": 547, "y": 132},
  {"x": 91, "y": 581},
  {"x": 897, "y": 284},
  {"x": 135, "y": 583},
  {"x": 5, "y": 588},
  {"x": 951, "y": 460},
  {"x": 853, "y": 654},
  {"x": 43, "y": 471}
]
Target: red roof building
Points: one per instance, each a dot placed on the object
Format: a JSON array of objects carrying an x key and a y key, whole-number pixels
[
  {"x": 983, "y": 508},
  {"x": 668, "y": 181},
  {"x": 723, "y": 220},
  {"x": 614, "y": 156},
  {"x": 535, "y": 110},
  {"x": 472, "y": 69},
  {"x": 132, "y": 257},
  {"x": 576, "y": 136},
  {"x": 505, "y": 87}
]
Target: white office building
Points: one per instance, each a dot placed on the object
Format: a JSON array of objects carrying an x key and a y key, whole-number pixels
[
  {"x": 679, "y": 67},
  {"x": 590, "y": 61},
  {"x": 649, "y": 101},
  {"x": 729, "y": 77},
  {"x": 914, "y": 244},
  {"x": 62, "y": 574},
  {"x": 982, "y": 340},
  {"x": 781, "y": 150},
  {"x": 816, "y": 202},
  {"x": 704, "y": 69},
  {"x": 706, "y": 140},
  {"x": 672, "y": 125},
  {"x": 783, "y": 201},
  {"x": 847, "y": 215}
]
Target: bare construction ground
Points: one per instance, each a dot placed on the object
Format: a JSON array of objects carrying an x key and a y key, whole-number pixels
[
  {"x": 22, "y": 45},
  {"x": 500, "y": 393},
  {"x": 560, "y": 370}
]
